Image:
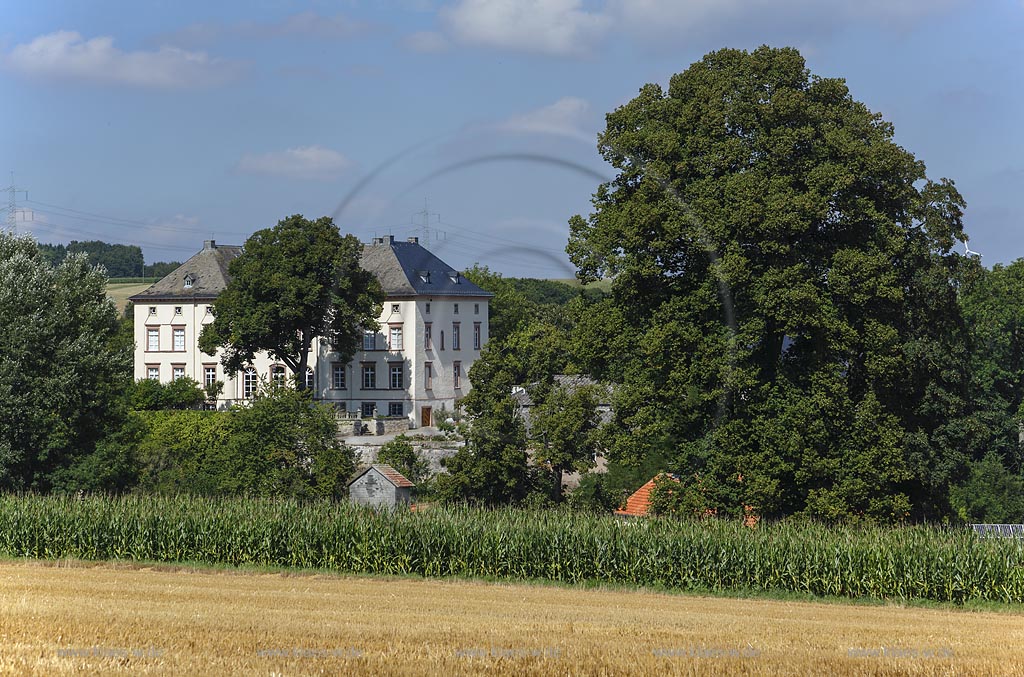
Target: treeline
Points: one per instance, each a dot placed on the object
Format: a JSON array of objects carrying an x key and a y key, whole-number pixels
[{"x": 120, "y": 260}]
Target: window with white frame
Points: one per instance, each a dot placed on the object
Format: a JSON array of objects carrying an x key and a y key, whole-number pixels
[
  {"x": 250, "y": 382},
  {"x": 369, "y": 376},
  {"x": 177, "y": 371},
  {"x": 369, "y": 340},
  {"x": 396, "y": 337},
  {"x": 152, "y": 339},
  {"x": 209, "y": 375},
  {"x": 179, "y": 338},
  {"x": 456, "y": 336},
  {"x": 277, "y": 374},
  {"x": 189, "y": 280},
  {"x": 153, "y": 372},
  {"x": 338, "y": 376},
  {"x": 396, "y": 409},
  {"x": 456, "y": 374},
  {"x": 476, "y": 336},
  {"x": 310, "y": 378},
  {"x": 396, "y": 381}
]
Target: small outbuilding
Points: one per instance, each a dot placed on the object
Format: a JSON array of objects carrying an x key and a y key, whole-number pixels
[{"x": 381, "y": 486}]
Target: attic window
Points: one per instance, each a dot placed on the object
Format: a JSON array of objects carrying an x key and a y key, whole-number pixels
[
  {"x": 177, "y": 310},
  {"x": 189, "y": 281},
  {"x": 454, "y": 277},
  {"x": 424, "y": 276},
  {"x": 152, "y": 310}
]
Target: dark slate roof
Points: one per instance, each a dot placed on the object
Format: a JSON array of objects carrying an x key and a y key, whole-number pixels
[
  {"x": 389, "y": 473},
  {"x": 403, "y": 268},
  {"x": 208, "y": 270},
  {"x": 407, "y": 268}
]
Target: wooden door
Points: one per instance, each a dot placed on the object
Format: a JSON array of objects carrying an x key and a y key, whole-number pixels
[{"x": 425, "y": 416}]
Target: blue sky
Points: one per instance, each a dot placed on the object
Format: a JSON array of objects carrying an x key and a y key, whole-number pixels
[{"x": 166, "y": 123}]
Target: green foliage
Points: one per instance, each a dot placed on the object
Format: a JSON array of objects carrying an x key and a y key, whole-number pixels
[
  {"x": 679, "y": 497},
  {"x": 293, "y": 283},
  {"x": 402, "y": 456},
  {"x": 784, "y": 299},
  {"x": 992, "y": 494},
  {"x": 118, "y": 260},
  {"x": 151, "y": 395},
  {"x": 491, "y": 468},
  {"x": 563, "y": 429},
  {"x": 946, "y": 565},
  {"x": 993, "y": 307},
  {"x": 63, "y": 363},
  {"x": 281, "y": 445}
]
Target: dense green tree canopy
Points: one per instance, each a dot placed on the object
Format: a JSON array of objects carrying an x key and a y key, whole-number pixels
[
  {"x": 293, "y": 283},
  {"x": 784, "y": 298},
  {"x": 63, "y": 363},
  {"x": 119, "y": 260}
]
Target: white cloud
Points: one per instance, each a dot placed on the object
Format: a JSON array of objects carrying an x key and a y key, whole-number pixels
[
  {"x": 565, "y": 117},
  {"x": 304, "y": 162},
  {"x": 66, "y": 55},
  {"x": 426, "y": 42},
  {"x": 555, "y": 27}
]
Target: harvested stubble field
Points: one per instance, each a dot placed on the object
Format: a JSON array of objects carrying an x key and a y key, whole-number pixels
[{"x": 66, "y": 617}]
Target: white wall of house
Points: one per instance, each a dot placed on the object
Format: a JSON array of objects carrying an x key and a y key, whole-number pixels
[{"x": 174, "y": 352}]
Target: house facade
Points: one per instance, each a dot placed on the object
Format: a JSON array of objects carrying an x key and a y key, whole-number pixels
[{"x": 433, "y": 324}]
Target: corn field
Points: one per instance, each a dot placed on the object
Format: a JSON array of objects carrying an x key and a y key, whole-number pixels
[{"x": 949, "y": 565}]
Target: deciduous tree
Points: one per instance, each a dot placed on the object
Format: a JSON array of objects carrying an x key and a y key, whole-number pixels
[
  {"x": 63, "y": 363},
  {"x": 293, "y": 283},
  {"x": 784, "y": 297}
]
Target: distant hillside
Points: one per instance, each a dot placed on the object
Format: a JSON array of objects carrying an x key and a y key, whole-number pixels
[{"x": 120, "y": 291}]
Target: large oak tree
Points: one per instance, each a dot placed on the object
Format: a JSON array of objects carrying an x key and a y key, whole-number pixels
[
  {"x": 293, "y": 283},
  {"x": 783, "y": 315}
]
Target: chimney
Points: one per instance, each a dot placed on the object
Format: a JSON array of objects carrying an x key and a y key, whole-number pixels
[
  {"x": 209, "y": 244},
  {"x": 414, "y": 240}
]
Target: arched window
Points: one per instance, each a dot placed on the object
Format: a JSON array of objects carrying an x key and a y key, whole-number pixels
[{"x": 250, "y": 382}]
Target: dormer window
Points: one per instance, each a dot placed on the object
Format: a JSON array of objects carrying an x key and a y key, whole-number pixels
[
  {"x": 454, "y": 277},
  {"x": 424, "y": 276},
  {"x": 189, "y": 281}
]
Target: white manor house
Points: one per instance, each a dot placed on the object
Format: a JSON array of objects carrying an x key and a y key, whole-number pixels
[{"x": 432, "y": 327}]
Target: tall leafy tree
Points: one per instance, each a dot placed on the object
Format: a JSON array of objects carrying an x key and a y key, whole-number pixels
[
  {"x": 63, "y": 363},
  {"x": 293, "y": 283},
  {"x": 783, "y": 313},
  {"x": 562, "y": 429}
]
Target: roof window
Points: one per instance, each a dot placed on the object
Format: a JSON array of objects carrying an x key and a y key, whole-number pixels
[{"x": 189, "y": 281}]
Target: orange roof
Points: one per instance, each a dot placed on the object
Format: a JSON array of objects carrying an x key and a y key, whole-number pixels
[{"x": 639, "y": 503}]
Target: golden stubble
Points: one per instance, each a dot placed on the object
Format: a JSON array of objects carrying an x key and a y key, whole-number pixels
[{"x": 84, "y": 619}]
